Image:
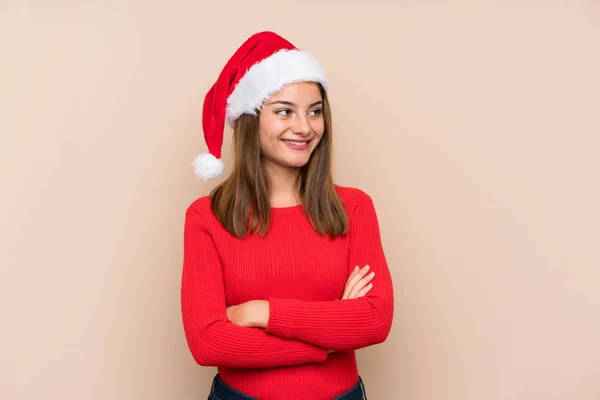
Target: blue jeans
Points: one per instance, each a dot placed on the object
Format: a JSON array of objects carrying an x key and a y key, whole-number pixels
[{"x": 221, "y": 391}]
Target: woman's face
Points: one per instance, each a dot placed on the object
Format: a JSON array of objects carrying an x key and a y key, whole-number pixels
[{"x": 291, "y": 125}]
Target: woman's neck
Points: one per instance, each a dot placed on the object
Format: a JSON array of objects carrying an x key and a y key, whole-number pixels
[{"x": 282, "y": 184}]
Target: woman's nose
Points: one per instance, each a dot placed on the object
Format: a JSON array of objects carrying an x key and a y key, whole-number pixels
[{"x": 301, "y": 125}]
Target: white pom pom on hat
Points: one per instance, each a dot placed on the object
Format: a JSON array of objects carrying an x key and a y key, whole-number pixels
[
  {"x": 263, "y": 65},
  {"x": 208, "y": 166}
]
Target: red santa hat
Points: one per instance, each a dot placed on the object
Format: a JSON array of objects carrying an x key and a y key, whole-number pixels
[{"x": 263, "y": 65}]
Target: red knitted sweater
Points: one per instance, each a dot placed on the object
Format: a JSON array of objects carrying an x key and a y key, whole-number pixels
[{"x": 302, "y": 275}]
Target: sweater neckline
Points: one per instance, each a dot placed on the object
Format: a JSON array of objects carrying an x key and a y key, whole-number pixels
[{"x": 287, "y": 210}]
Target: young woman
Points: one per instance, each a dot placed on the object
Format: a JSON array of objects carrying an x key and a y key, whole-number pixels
[{"x": 284, "y": 275}]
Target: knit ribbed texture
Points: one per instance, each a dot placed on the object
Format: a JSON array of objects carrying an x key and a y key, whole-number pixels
[{"x": 302, "y": 275}]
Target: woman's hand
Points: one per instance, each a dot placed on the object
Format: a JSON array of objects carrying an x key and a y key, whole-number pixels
[
  {"x": 251, "y": 314},
  {"x": 358, "y": 283}
]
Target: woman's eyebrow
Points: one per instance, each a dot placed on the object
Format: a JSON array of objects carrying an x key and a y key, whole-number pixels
[
  {"x": 289, "y": 103},
  {"x": 284, "y": 102}
]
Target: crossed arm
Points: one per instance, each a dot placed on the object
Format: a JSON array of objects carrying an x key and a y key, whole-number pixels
[
  {"x": 347, "y": 324},
  {"x": 284, "y": 332}
]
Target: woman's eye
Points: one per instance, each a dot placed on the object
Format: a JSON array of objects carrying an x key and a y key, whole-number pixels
[
  {"x": 285, "y": 112},
  {"x": 316, "y": 113}
]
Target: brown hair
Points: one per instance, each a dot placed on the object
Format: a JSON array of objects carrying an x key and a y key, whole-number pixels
[{"x": 241, "y": 202}]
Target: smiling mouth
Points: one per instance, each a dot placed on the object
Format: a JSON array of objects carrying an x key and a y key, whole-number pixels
[
  {"x": 297, "y": 145},
  {"x": 296, "y": 142}
]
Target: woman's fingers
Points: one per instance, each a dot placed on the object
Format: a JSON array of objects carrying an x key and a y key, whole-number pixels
[
  {"x": 356, "y": 282},
  {"x": 360, "y": 286},
  {"x": 352, "y": 279},
  {"x": 364, "y": 290}
]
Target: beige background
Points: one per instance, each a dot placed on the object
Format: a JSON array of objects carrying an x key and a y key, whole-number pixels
[{"x": 475, "y": 126}]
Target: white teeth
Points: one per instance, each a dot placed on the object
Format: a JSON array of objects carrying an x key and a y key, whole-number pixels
[{"x": 295, "y": 143}]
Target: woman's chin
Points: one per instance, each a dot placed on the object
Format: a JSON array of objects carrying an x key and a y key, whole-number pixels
[
  {"x": 290, "y": 160},
  {"x": 297, "y": 163}
]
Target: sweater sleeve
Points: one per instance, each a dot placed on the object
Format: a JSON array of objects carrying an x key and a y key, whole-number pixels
[
  {"x": 344, "y": 324},
  {"x": 211, "y": 337}
]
